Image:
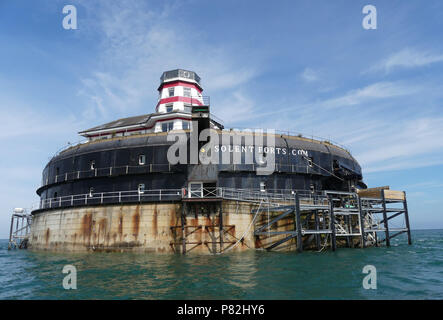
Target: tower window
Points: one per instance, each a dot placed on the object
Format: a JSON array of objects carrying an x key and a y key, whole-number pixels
[
  {"x": 169, "y": 108},
  {"x": 141, "y": 188},
  {"x": 55, "y": 195},
  {"x": 185, "y": 125},
  {"x": 188, "y": 108},
  {"x": 187, "y": 92},
  {"x": 171, "y": 91},
  {"x": 167, "y": 126},
  {"x": 92, "y": 165},
  {"x": 91, "y": 191},
  {"x": 141, "y": 159}
]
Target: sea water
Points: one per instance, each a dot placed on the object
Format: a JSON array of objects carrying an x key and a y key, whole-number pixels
[{"x": 403, "y": 272}]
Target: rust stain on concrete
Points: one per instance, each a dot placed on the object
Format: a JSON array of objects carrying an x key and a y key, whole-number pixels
[
  {"x": 120, "y": 226},
  {"x": 155, "y": 222},
  {"x": 136, "y": 222},
  {"x": 86, "y": 226},
  {"x": 102, "y": 229},
  {"x": 47, "y": 236}
]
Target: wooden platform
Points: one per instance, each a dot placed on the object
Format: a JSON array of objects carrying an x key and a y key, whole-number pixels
[{"x": 376, "y": 193}]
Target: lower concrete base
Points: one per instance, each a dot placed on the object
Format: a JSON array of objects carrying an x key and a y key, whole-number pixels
[{"x": 151, "y": 227}]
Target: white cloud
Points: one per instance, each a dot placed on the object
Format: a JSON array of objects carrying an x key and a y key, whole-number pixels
[
  {"x": 139, "y": 42},
  {"x": 384, "y": 124},
  {"x": 379, "y": 90},
  {"x": 407, "y": 58},
  {"x": 309, "y": 75},
  {"x": 235, "y": 108}
]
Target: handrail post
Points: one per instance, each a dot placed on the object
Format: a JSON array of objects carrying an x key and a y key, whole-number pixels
[
  {"x": 362, "y": 223},
  {"x": 332, "y": 223},
  {"x": 298, "y": 224},
  {"x": 385, "y": 219},
  {"x": 406, "y": 213}
]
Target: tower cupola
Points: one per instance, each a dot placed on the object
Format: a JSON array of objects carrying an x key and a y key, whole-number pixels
[{"x": 179, "y": 90}]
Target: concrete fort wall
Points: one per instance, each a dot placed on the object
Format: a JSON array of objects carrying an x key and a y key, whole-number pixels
[{"x": 145, "y": 227}]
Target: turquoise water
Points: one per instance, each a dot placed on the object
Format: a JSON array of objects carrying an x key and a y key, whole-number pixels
[{"x": 403, "y": 272}]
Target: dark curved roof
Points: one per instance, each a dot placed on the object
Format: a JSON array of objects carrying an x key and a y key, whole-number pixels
[
  {"x": 161, "y": 139},
  {"x": 121, "y": 122}
]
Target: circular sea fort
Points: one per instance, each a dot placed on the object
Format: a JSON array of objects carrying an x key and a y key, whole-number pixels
[{"x": 176, "y": 180}]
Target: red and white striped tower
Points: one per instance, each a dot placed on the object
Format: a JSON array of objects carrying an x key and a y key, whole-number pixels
[{"x": 179, "y": 90}]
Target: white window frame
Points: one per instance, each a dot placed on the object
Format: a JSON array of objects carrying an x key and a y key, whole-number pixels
[
  {"x": 142, "y": 159},
  {"x": 141, "y": 188},
  {"x": 173, "y": 91},
  {"x": 185, "y": 91},
  {"x": 263, "y": 186},
  {"x": 168, "y": 124},
  {"x": 187, "y": 107},
  {"x": 92, "y": 165}
]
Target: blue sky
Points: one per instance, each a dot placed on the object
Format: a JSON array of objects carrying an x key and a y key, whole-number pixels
[{"x": 304, "y": 66}]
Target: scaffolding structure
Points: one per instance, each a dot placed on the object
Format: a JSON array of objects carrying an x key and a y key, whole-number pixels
[
  {"x": 20, "y": 229},
  {"x": 302, "y": 219},
  {"x": 334, "y": 218}
]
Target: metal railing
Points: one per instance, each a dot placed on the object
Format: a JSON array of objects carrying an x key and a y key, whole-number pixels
[
  {"x": 98, "y": 198},
  {"x": 112, "y": 171},
  {"x": 200, "y": 100},
  {"x": 137, "y": 196},
  {"x": 167, "y": 167}
]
